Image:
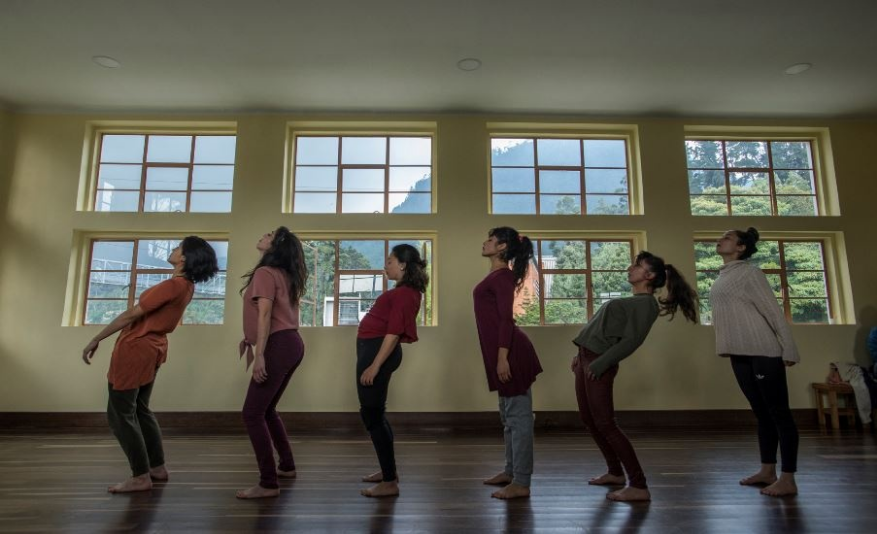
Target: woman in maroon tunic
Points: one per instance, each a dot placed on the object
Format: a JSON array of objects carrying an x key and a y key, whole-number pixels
[{"x": 509, "y": 358}]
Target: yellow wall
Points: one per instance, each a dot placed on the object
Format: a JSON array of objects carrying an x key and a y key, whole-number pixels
[{"x": 40, "y": 366}]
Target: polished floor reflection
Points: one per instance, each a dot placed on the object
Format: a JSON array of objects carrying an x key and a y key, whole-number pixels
[{"x": 54, "y": 483}]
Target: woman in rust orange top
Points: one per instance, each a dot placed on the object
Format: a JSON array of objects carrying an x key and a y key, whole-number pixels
[{"x": 140, "y": 350}]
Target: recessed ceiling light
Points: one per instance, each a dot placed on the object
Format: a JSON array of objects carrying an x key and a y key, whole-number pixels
[
  {"x": 798, "y": 68},
  {"x": 106, "y": 62},
  {"x": 469, "y": 64}
]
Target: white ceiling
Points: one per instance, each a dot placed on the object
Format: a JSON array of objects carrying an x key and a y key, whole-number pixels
[{"x": 621, "y": 57}]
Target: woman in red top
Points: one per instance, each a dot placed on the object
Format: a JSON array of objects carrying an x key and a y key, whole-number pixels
[
  {"x": 391, "y": 321},
  {"x": 139, "y": 351},
  {"x": 272, "y": 293},
  {"x": 510, "y": 361}
]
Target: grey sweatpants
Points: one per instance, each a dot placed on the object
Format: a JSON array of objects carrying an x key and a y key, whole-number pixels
[{"x": 516, "y": 414}]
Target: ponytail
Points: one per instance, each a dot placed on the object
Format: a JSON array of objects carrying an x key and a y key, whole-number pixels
[
  {"x": 518, "y": 252},
  {"x": 679, "y": 293}
]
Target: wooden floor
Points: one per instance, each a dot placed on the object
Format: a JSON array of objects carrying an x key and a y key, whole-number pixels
[{"x": 55, "y": 483}]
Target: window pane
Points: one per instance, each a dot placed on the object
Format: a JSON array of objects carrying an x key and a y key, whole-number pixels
[
  {"x": 708, "y": 182},
  {"x": 796, "y": 206},
  {"x": 364, "y": 150},
  {"x": 747, "y": 154},
  {"x": 215, "y": 148},
  {"x": 803, "y": 256},
  {"x": 560, "y": 182},
  {"x": 169, "y": 148},
  {"x": 362, "y": 255},
  {"x": 565, "y": 286},
  {"x": 704, "y": 283},
  {"x": 316, "y": 179},
  {"x": 768, "y": 255},
  {"x": 563, "y": 255},
  {"x": 705, "y": 256},
  {"x": 749, "y": 183},
  {"x": 605, "y": 153},
  {"x": 704, "y": 154},
  {"x": 410, "y": 150},
  {"x": 316, "y": 307},
  {"x": 210, "y": 202},
  {"x": 522, "y": 204},
  {"x": 213, "y": 177},
  {"x": 776, "y": 285},
  {"x": 362, "y": 203},
  {"x": 410, "y": 202},
  {"x": 204, "y": 312},
  {"x": 606, "y": 180},
  {"x": 122, "y": 148},
  {"x": 359, "y": 180},
  {"x": 112, "y": 255},
  {"x": 807, "y": 284},
  {"x": 610, "y": 255},
  {"x": 103, "y": 311},
  {"x": 108, "y": 200},
  {"x": 315, "y": 202},
  {"x": 153, "y": 254},
  {"x": 167, "y": 178},
  {"x": 145, "y": 281},
  {"x": 709, "y": 205},
  {"x": 316, "y": 151},
  {"x": 514, "y": 180},
  {"x": 560, "y": 204},
  {"x": 221, "y": 249},
  {"x": 750, "y": 205},
  {"x": 610, "y": 285},
  {"x": 794, "y": 182},
  {"x": 511, "y": 152},
  {"x": 357, "y": 293},
  {"x": 574, "y": 311},
  {"x": 809, "y": 310},
  {"x": 119, "y": 177},
  {"x": 791, "y": 155},
  {"x": 164, "y": 202},
  {"x": 410, "y": 179},
  {"x": 565, "y": 152},
  {"x": 109, "y": 285},
  {"x": 607, "y": 205}
]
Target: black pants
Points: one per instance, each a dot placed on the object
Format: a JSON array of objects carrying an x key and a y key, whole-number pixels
[
  {"x": 763, "y": 381},
  {"x": 373, "y": 401},
  {"x": 136, "y": 427}
]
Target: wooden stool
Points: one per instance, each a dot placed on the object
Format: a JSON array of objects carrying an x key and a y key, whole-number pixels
[{"x": 833, "y": 391}]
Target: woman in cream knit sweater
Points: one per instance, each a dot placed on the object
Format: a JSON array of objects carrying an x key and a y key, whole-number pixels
[{"x": 752, "y": 330}]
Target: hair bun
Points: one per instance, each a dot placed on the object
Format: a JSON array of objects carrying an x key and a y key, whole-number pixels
[{"x": 753, "y": 232}]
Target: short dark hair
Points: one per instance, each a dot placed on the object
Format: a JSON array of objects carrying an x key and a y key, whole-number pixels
[{"x": 201, "y": 264}]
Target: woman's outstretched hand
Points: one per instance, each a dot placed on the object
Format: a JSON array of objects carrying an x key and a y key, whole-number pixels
[{"x": 88, "y": 351}]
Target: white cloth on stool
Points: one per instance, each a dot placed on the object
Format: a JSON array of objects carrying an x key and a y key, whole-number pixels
[{"x": 852, "y": 373}]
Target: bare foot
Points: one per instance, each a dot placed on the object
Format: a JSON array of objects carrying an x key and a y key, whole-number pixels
[
  {"x": 630, "y": 494},
  {"x": 512, "y": 491},
  {"x": 759, "y": 479},
  {"x": 257, "y": 492},
  {"x": 608, "y": 480},
  {"x": 376, "y": 477},
  {"x": 286, "y": 474},
  {"x": 382, "y": 489},
  {"x": 138, "y": 483},
  {"x": 501, "y": 479},
  {"x": 784, "y": 487},
  {"x": 158, "y": 474}
]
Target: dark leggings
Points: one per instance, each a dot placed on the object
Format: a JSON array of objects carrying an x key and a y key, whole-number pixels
[
  {"x": 598, "y": 413},
  {"x": 763, "y": 381},
  {"x": 136, "y": 427},
  {"x": 284, "y": 351},
  {"x": 373, "y": 401}
]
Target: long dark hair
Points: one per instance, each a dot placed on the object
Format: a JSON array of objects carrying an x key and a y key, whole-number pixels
[
  {"x": 748, "y": 239},
  {"x": 679, "y": 293},
  {"x": 414, "y": 275},
  {"x": 287, "y": 255},
  {"x": 518, "y": 252},
  {"x": 200, "y": 264}
]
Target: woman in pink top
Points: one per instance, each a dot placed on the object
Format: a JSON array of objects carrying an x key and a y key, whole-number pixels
[{"x": 272, "y": 293}]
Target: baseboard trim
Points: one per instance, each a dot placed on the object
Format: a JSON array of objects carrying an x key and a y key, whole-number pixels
[{"x": 425, "y": 422}]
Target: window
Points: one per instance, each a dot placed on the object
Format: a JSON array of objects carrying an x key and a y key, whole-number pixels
[
  {"x": 120, "y": 270},
  {"x": 350, "y": 272},
  {"x": 562, "y": 176},
  {"x": 572, "y": 280},
  {"x": 363, "y": 174},
  {"x": 165, "y": 173},
  {"x": 751, "y": 177},
  {"x": 795, "y": 269}
]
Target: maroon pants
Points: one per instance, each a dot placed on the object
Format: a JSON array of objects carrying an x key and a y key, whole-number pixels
[
  {"x": 598, "y": 413},
  {"x": 283, "y": 352}
]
